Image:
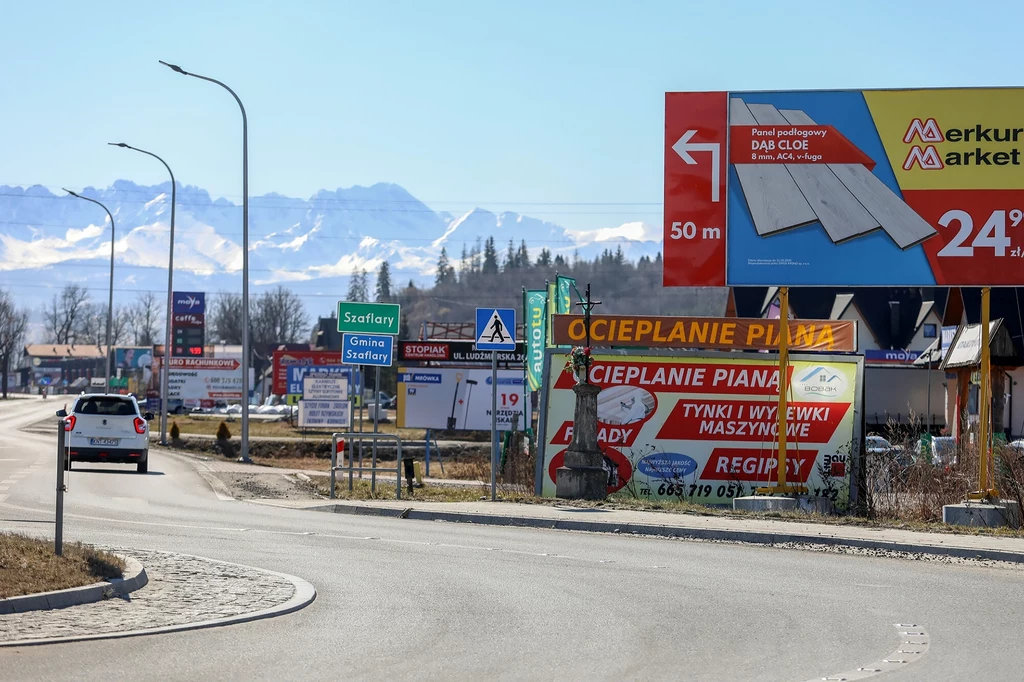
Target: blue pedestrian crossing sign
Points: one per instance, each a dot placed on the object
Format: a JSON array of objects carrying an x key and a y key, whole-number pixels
[{"x": 495, "y": 329}]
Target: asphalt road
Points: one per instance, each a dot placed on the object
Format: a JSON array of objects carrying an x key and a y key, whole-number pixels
[{"x": 418, "y": 600}]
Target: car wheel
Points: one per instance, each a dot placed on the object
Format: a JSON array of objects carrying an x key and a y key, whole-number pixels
[{"x": 144, "y": 466}]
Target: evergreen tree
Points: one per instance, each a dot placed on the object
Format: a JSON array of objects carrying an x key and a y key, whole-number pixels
[
  {"x": 620, "y": 257},
  {"x": 544, "y": 259},
  {"x": 357, "y": 288},
  {"x": 383, "y": 291},
  {"x": 464, "y": 264},
  {"x": 511, "y": 257},
  {"x": 476, "y": 256},
  {"x": 524, "y": 255},
  {"x": 560, "y": 261},
  {"x": 445, "y": 271},
  {"x": 490, "y": 266}
]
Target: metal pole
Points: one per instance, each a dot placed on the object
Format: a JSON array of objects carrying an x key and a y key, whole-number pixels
[
  {"x": 246, "y": 357},
  {"x": 110, "y": 297},
  {"x": 334, "y": 462},
  {"x": 58, "y": 538},
  {"x": 362, "y": 406},
  {"x": 929, "y": 403},
  {"x": 783, "y": 380},
  {"x": 166, "y": 366},
  {"x": 494, "y": 425},
  {"x": 983, "y": 397},
  {"x": 376, "y": 412},
  {"x": 426, "y": 453}
]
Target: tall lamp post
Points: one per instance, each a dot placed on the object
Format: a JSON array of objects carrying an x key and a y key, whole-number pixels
[
  {"x": 166, "y": 365},
  {"x": 246, "y": 359},
  {"x": 110, "y": 296}
]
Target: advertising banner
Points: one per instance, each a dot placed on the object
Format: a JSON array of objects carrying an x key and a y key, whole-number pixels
[
  {"x": 204, "y": 379},
  {"x": 704, "y": 429},
  {"x": 283, "y": 359},
  {"x": 189, "y": 302},
  {"x": 319, "y": 386},
  {"x": 458, "y": 399},
  {"x": 725, "y": 333},
  {"x": 455, "y": 352},
  {"x": 552, "y": 306},
  {"x": 564, "y": 286},
  {"x": 844, "y": 188},
  {"x": 536, "y": 331},
  {"x": 298, "y": 373},
  {"x": 335, "y": 414}
]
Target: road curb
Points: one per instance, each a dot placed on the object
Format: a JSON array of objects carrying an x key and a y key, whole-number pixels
[
  {"x": 744, "y": 536},
  {"x": 304, "y": 595},
  {"x": 135, "y": 578}
]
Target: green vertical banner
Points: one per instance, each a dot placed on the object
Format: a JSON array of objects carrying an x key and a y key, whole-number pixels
[
  {"x": 536, "y": 337},
  {"x": 552, "y": 299},
  {"x": 565, "y": 285}
]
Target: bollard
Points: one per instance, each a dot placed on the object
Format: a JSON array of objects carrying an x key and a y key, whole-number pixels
[{"x": 58, "y": 536}]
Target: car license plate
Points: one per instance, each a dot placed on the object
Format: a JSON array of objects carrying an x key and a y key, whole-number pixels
[{"x": 104, "y": 441}]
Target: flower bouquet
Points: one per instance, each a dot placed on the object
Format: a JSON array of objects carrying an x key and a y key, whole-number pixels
[{"x": 576, "y": 362}]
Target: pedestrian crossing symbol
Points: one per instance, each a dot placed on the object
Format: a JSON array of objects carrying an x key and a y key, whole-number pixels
[{"x": 495, "y": 329}]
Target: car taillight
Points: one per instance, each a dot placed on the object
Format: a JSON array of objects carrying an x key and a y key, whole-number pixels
[
  {"x": 69, "y": 423},
  {"x": 140, "y": 425}
]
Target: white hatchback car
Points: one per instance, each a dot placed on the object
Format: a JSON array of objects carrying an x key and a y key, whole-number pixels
[{"x": 107, "y": 428}]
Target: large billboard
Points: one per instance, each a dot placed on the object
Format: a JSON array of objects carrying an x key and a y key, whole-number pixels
[
  {"x": 844, "y": 188},
  {"x": 283, "y": 359},
  {"x": 458, "y": 399},
  {"x": 704, "y": 428}
]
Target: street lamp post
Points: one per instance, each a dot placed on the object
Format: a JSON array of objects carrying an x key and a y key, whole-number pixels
[
  {"x": 246, "y": 359},
  {"x": 166, "y": 365},
  {"x": 110, "y": 296}
]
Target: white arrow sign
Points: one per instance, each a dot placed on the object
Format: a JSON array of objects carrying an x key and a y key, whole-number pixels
[{"x": 683, "y": 148}]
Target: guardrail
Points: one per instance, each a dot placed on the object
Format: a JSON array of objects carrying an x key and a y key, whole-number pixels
[{"x": 350, "y": 439}]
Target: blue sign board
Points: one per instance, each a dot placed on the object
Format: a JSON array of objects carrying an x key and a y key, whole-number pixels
[
  {"x": 377, "y": 350},
  {"x": 495, "y": 329},
  {"x": 892, "y": 357},
  {"x": 297, "y": 372},
  {"x": 190, "y": 302}
]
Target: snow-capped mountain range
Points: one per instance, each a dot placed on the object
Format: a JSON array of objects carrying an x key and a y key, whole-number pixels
[{"x": 49, "y": 239}]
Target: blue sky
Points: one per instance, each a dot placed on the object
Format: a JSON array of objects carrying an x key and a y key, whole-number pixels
[{"x": 554, "y": 109}]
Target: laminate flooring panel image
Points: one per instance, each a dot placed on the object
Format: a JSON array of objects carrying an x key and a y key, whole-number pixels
[
  {"x": 839, "y": 212},
  {"x": 899, "y": 221},
  {"x": 773, "y": 199}
]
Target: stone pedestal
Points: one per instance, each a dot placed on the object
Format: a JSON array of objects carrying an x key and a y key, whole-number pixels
[
  {"x": 583, "y": 476},
  {"x": 981, "y": 514},
  {"x": 763, "y": 503}
]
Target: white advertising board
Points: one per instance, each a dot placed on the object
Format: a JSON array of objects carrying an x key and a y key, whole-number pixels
[
  {"x": 428, "y": 398},
  {"x": 324, "y": 387},
  {"x": 197, "y": 379},
  {"x": 335, "y": 414}
]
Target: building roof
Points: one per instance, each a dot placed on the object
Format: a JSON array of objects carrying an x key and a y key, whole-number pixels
[
  {"x": 63, "y": 351},
  {"x": 840, "y": 305}
]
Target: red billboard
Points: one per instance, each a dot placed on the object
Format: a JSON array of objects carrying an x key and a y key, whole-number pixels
[
  {"x": 696, "y": 128},
  {"x": 283, "y": 359}
]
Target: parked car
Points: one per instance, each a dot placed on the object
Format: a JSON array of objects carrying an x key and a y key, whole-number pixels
[{"x": 107, "y": 428}]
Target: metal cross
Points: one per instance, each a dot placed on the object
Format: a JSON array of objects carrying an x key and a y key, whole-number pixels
[{"x": 587, "y": 305}]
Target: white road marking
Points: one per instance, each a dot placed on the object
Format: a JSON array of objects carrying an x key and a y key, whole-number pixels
[
  {"x": 3, "y": 497},
  {"x": 9, "y": 459},
  {"x": 5, "y": 487},
  {"x": 8, "y": 481},
  {"x": 914, "y": 643}
]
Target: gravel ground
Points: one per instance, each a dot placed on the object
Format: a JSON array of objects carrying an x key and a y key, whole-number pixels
[{"x": 182, "y": 589}]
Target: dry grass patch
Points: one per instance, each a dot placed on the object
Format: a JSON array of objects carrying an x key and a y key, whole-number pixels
[
  {"x": 207, "y": 426},
  {"x": 28, "y": 565}
]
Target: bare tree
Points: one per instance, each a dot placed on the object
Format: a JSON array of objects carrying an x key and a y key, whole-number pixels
[
  {"x": 13, "y": 324},
  {"x": 144, "y": 318},
  {"x": 279, "y": 317},
  {"x": 92, "y": 327},
  {"x": 62, "y": 315},
  {"x": 226, "y": 318}
]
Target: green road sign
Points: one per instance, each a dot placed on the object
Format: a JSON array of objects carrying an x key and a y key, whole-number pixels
[{"x": 370, "y": 318}]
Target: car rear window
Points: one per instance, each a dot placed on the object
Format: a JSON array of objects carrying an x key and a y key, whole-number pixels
[{"x": 111, "y": 407}]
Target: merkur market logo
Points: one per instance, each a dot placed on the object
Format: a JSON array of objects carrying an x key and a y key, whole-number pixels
[{"x": 924, "y": 134}]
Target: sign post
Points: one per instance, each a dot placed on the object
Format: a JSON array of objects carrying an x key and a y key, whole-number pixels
[
  {"x": 495, "y": 331},
  {"x": 368, "y": 339}
]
